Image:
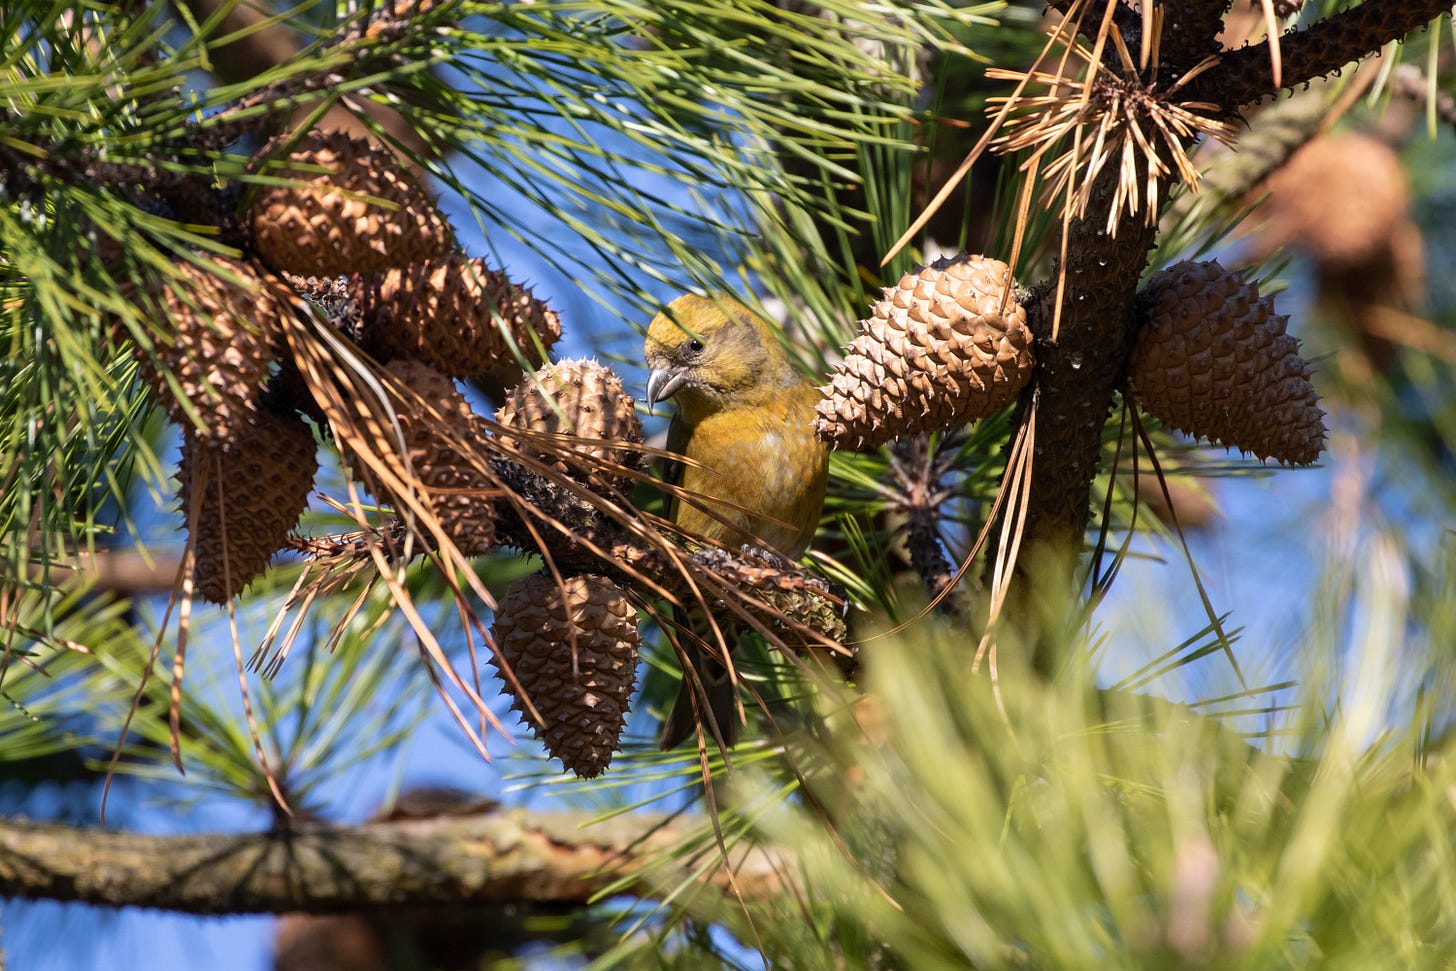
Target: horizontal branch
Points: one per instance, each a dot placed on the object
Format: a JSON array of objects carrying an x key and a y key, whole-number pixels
[
  {"x": 128, "y": 572},
  {"x": 491, "y": 857}
]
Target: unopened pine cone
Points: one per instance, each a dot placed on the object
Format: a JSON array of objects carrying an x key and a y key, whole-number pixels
[
  {"x": 572, "y": 648},
  {"x": 250, "y": 492},
  {"x": 449, "y": 314},
  {"x": 1213, "y": 360},
  {"x": 217, "y": 342},
  {"x": 947, "y": 345},
  {"x": 437, "y": 423},
  {"x": 581, "y": 398},
  {"x": 352, "y": 208}
]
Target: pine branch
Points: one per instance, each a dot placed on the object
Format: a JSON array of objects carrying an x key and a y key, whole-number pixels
[
  {"x": 561, "y": 858},
  {"x": 121, "y": 571},
  {"x": 1190, "y": 30},
  {"x": 1411, "y": 83},
  {"x": 1078, "y": 373},
  {"x": 920, "y": 498},
  {"x": 783, "y": 596},
  {"x": 1245, "y": 76}
]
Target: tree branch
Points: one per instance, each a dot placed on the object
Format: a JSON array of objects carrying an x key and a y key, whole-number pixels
[
  {"x": 561, "y": 858},
  {"x": 127, "y": 572},
  {"x": 1245, "y": 76}
]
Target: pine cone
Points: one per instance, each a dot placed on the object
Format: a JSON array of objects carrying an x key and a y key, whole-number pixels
[
  {"x": 582, "y": 695},
  {"x": 219, "y": 347},
  {"x": 1213, "y": 360},
  {"x": 253, "y": 489},
  {"x": 940, "y": 350},
  {"x": 453, "y": 485},
  {"x": 581, "y": 398},
  {"x": 364, "y": 212},
  {"x": 445, "y": 314}
]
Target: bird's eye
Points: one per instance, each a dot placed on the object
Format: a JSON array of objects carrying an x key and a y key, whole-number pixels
[{"x": 695, "y": 346}]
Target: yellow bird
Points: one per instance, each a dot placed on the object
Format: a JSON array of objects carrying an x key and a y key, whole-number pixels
[{"x": 745, "y": 420}]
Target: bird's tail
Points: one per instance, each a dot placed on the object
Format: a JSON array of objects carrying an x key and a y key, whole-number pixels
[{"x": 707, "y": 695}]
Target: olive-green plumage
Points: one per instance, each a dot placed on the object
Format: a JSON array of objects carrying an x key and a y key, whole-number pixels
[{"x": 745, "y": 421}]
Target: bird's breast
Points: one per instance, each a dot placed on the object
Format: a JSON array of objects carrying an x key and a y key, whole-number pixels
[{"x": 766, "y": 460}]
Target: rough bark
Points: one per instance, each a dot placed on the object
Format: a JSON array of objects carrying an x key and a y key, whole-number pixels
[
  {"x": 447, "y": 861},
  {"x": 1078, "y": 373}
]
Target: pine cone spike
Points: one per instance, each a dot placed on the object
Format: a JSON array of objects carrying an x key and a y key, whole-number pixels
[
  {"x": 1213, "y": 360},
  {"x": 947, "y": 345},
  {"x": 572, "y": 647}
]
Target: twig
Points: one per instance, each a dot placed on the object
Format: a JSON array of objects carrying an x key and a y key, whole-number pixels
[{"x": 920, "y": 496}]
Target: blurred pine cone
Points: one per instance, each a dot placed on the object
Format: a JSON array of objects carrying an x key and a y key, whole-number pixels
[{"x": 1341, "y": 197}]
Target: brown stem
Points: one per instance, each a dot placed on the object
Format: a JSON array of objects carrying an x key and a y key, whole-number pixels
[
  {"x": 319, "y": 868},
  {"x": 254, "y": 48},
  {"x": 257, "y": 49},
  {"x": 127, "y": 572},
  {"x": 1410, "y": 83}
]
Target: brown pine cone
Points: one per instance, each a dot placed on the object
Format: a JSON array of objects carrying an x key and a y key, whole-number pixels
[
  {"x": 218, "y": 345},
  {"x": 456, "y": 489},
  {"x": 449, "y": 314},
  {"x": 581, "y": 398},
  {"x": 572, "y": 647},
  {"x": 354, "y": 208},
  {"x": 947, "y": 345},
  {"x": 252, "y": 491},
  {"x": 1213, "y": 360}
]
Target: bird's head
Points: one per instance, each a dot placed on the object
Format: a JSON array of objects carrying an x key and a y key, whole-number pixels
[{"x": 709, "y": 352}]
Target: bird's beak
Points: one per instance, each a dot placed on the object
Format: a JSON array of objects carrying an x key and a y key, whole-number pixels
[{"x": 663, "y": 383}]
